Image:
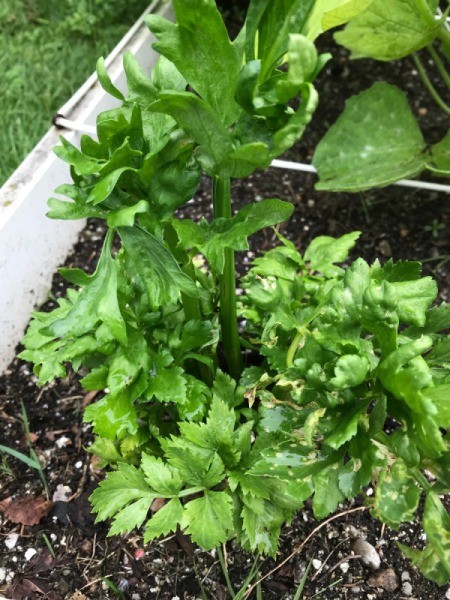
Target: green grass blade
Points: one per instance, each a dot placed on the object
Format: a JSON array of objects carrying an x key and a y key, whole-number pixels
[
  {"x": 250, "y": 577},
  {"x": 304, "y": 579},
  {"x": 34, "y": 464}
]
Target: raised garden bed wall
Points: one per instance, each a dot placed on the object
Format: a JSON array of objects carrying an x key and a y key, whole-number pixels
[{"x": 31, "y": 245}]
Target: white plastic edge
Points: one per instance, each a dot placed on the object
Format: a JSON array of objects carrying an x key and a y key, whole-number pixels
[
  {"x": 413, "y": 183},
  {"x": 32, "y": 246}
]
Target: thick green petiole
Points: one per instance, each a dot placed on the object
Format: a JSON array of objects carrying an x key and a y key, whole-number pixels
[
  {"x": 227, "y": 284},
  {"x": 294, "y": 347}
]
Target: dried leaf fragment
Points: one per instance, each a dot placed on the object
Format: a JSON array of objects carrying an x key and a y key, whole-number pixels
[{"x": 27, "y": 510}]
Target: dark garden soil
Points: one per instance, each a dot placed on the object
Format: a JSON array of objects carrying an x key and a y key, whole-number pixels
[{"x": 66, "y": 556}]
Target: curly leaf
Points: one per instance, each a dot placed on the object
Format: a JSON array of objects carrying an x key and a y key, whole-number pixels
[
  {"x": 163, "y": 278},
  {"x": 213, "y": 239},
  {"x": 324, "y": 251},
  {"x": 397, "y": 496},
  {"x": 434, "y": 560},
  {"x": 96, "y": 302}
]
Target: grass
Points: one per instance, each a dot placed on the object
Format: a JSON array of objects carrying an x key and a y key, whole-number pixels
[{"x": 48, "y": 48}]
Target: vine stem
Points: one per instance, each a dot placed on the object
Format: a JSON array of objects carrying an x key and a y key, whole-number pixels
[
  {"x": 429, "y": 85},
  {"x": 439, "y": 64},
  {"x": 227, "y": 284},
  {"x": 443, "y": 33}
]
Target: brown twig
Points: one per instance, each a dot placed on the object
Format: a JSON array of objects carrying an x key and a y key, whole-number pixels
[
  {"x": 302, "y": 545},
  {"x": 80, "y": 485},
  {"x": 334, "y": 567},
  {"x": 319, "y": 573}
]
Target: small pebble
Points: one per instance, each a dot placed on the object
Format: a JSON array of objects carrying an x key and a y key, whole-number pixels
[
  {"x": 385, "y": 248},
  {"x": 316, "y": 563},
  {"x": 11, "y": 540},
  {"x": 447, "y": 595},
  {"x": 333, "y": 533},
  {"x": 407, "y": 589},
  {"x": 386, "y": 579},
  {"x": 62, "y": 493},
  {"x": 30, "y": 553},
  {"x": 344, "y": 567},
  {"x": 353, "y": 532},
  {"x": 63, "y": 441},
  {"x": 406, "y": 576},
  {"x": 369, "y": 556},
  {"x": 78, "y": 464}
]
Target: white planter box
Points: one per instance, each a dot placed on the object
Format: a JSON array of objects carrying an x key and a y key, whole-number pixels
[{"x": 31, "y": 245}]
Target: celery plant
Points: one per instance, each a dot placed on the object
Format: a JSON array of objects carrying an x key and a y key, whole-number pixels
[{"x": 235, "y": 449}]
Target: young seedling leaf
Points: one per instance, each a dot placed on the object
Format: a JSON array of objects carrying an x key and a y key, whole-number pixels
[
  {"x": 126, "y": 216},
  {"x": 105, "y": 81},
  {"x": 437, "y": 319},
  {"x": 303, "y": 59},
  {"x": 104, "y": 188},
  {"x": 271, "y": 25},
  {"x": 140, "y": 87},
  {"x": 201, "y": 50},
  {"x": 196, "y": 117},
  {"x": 290, "y": 133}
]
